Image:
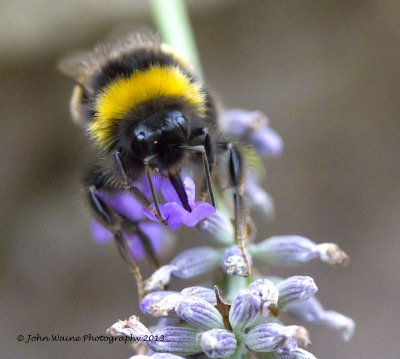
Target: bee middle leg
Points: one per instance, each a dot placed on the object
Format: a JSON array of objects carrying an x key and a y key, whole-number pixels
[
  {"x": 111, "y": 220},
  {"x": 237, "y": 177},
  {"x": 207, "y": 151}
]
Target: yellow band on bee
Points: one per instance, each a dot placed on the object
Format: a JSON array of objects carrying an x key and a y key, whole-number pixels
[{"x": 124, "y": 94}]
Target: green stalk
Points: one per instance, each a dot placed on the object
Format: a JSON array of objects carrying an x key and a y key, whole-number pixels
[{"x": 173, "y": 22}]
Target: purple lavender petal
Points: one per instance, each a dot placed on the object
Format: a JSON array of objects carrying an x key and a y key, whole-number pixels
[
  {"x": 174, "y": 213},
  {"x": 168, "y": 191},
  {"x": 173, "y": 210},
  {"x": 201, "y": 210},
  {"x": 124, "y": 204},
  {"x": 143, "y": 184},
  {"x": 135, "y": 245},
  {"x": 100, "y": 233},
  {"x": 190, "y": 190},
  {"x": 154, "y": 232}
]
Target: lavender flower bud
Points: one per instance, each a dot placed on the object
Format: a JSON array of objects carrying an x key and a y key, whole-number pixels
[
  {"x": 153, "y": 298},
  {"x": 217, "y": 343},
  {"x": 159, "y": 278},
  {"x": 252, "y": 127},
  {"x": 233, "y": 263},
  {"x": 311, "y": 311},
  {"x": 244, "y": 309},
  {"x": 166, "y": 305},
  {"x": 299, "y": 353},
  {"x": 258, "y": 199},
  {"x": 157, "y": 356},
  {"x": 266, "y": 142},
  {"x": 267, "y": 292},
  {"x": 293, "y": 250},
  {"x": 273, "y": 336},
  {"x": 340, "y": 322},
  {"x": 176, "y": 340},
  {"x": 199, "y": 313},
  {"x": 129, "y": 327},
  {"x": 200, "y": 292},
  {"x": 295, "y": 289},
  {"x": 196, "y": 261},
  {"x": 217, "y": 226}
]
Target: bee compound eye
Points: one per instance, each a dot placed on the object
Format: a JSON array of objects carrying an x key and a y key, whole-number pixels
[{"x": 184, "y": 125}]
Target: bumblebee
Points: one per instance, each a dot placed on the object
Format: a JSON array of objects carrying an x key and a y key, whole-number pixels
[{"x": 146, "y": 111}]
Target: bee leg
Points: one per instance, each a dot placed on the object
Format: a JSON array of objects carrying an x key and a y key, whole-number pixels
[
  {"x": 236, "y": 172},
  {"x": 152, "y": 189},
  {"x": 128, "y": 185},
  {"x": 109, "y": 218},
  {"x": 208, "y": 163},
  {"x": 207, "y": 153},
  {"x": 132, "y": 227}
]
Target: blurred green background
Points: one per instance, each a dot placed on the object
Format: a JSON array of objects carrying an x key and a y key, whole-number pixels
[{"x": 327, "y": 74}]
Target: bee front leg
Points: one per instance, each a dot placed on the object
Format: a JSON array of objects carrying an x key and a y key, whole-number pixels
[
  {"x": 111, "y": 220},
  {"x": 207, "y": 150},
  {"x": 236, "y": 172},
  {"x": 142, "y": 199}
]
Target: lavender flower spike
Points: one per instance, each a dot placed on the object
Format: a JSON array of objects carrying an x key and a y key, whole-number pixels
[
  {"x": 129, "y": 327},
  {"x": 311, "y": 311},
  {"x": 293, "y": 250},
  {"x": 272, "y": 336},
  {"x": 199, "y": 313},
  {"x": 295, "y": 289},
  {"x": 177, "y": 340},
  {"x": 217, "y": 343}
]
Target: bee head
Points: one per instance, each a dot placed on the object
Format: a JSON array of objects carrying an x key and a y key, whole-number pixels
[{"x": 160, "y": 135}]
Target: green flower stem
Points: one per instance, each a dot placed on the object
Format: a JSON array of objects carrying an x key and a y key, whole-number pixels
[
  {"x": 173, "y": 22},
  {"x": 233, "y": 285}
]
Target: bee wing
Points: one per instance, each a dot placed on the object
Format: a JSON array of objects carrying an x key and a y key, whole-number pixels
[{"x": 82, "y": 66}]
